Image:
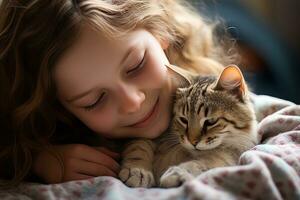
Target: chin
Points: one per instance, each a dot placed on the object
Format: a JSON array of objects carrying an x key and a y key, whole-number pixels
[
  {"x": 152, "y": 135},
  {"x": 208, "y": 147}
]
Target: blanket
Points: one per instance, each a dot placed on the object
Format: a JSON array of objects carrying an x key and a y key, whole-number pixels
[{"x": 270, "y": 170}]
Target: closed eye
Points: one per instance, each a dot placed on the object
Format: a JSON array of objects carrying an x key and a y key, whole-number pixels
[
  {"x": 210, "y": 122},
  {"x": 183, "y": 121},
  {"x": 137, "y": 67},
  {"x": 92, "y": 106}
]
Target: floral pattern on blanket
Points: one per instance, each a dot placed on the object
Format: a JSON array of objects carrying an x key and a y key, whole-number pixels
[{"x": 270, "y": 170}]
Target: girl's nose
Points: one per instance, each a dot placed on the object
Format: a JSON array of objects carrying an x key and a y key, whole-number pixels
[{"x": 130, "y": 99}]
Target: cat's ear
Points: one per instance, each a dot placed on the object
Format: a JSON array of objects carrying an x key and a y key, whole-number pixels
[
  {"x": 180, "y": 76},
  {"x": 231, "y": 79}
]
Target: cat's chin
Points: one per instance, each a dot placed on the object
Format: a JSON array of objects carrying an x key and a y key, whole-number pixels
[{"x": 202, "y": 147}]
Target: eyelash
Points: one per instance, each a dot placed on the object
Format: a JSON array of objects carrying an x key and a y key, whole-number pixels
[
  {"x": 139, "y": 66},
  {"x": 90, "y": 107}
]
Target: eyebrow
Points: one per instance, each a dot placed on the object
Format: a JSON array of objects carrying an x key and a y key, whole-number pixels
[
  {"x": 83, "y": 94},
  {"x": 126, "y": 55}
]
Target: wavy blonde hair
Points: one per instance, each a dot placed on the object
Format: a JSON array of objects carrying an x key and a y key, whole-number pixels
[{"x": 34, "y": 34}]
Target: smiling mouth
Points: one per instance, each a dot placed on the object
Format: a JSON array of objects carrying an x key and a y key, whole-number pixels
[{"x": 143, "y": 122}]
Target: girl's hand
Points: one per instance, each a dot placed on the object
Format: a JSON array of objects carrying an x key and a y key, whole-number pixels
[{"x": 79, "y": 161}]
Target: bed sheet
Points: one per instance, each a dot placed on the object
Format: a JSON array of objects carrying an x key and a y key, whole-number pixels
[{"x": 270, "y": 170}]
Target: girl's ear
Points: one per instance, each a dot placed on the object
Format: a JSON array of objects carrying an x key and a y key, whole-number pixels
[
  {"x": 232, "y": 80},
  {"x": 181, "y": 76}
]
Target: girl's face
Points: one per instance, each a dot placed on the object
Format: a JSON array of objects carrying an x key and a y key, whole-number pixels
[{"x": 118, "y": 88}]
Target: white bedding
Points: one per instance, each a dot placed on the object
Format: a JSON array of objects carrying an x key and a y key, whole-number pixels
[{"x": 270, "y": 170}]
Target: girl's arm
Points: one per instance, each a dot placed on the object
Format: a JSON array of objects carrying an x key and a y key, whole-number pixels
[{"x": 74, "y": 162}]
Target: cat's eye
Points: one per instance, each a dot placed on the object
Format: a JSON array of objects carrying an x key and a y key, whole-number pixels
[
  {"x": 211, "y": 121},
  {"x": 183, "y": 121}
]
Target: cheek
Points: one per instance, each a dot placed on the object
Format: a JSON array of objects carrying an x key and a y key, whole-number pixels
[
  {"x": 99, "y": 122},
  {"x": 155, "y": 74}
]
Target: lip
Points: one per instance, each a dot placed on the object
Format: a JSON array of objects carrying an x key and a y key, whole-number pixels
[{"x": 149, "y": 117}]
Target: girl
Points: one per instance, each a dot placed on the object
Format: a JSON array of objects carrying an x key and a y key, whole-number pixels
[{"x": 74, "y": 69}]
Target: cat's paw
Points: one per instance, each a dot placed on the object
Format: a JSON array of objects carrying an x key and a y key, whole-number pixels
[
  {"x": 174, "y": 177},
  {"x": 194, "y": 168},
  {"x": 137, "y": 177}
]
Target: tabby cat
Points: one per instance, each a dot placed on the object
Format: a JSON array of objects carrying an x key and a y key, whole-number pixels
[{"x": 213, "y": 123}]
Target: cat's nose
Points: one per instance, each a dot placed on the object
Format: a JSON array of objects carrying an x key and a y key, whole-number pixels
[
  {"x": 193, "y": 139},
  {"x": 194, "y": 142}
]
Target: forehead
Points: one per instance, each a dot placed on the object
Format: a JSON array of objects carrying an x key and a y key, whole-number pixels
[
  {"x": 92, "y": 44},
  {"x": 92, "y": 54},
  {"x": 202, "y": 92}
]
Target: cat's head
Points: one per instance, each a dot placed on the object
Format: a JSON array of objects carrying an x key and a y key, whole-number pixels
[{"x": 212, "y": 110}]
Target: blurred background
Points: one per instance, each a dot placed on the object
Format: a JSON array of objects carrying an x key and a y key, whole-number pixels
[{"x": 267, "y": 35}]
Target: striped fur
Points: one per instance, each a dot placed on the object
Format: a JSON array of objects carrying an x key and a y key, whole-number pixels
[{"x": 213, "y": 124}]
